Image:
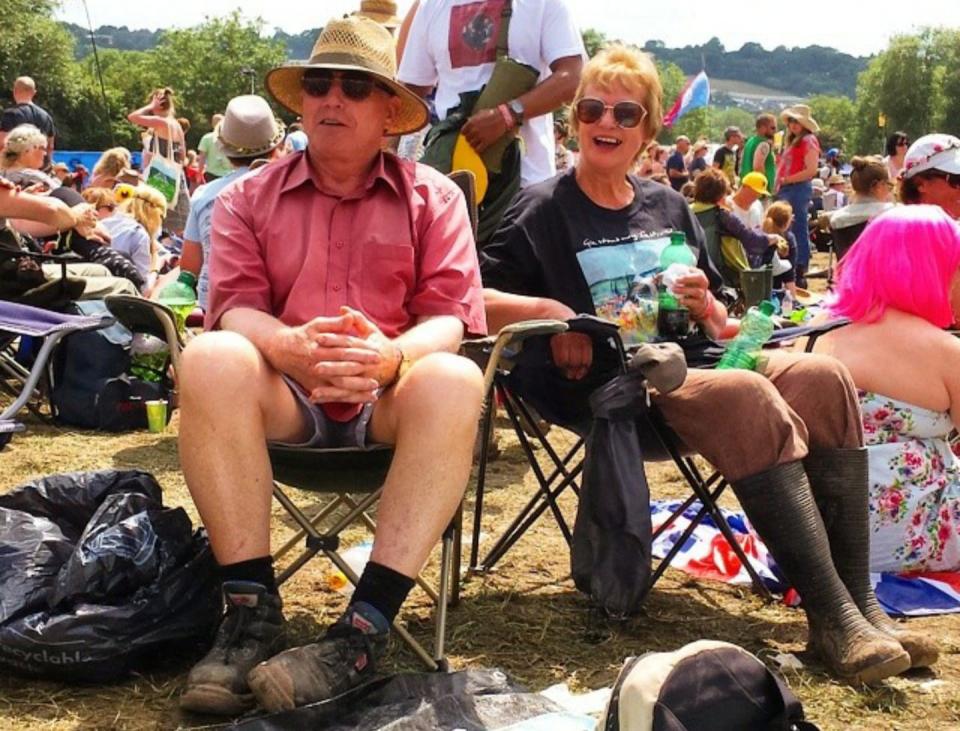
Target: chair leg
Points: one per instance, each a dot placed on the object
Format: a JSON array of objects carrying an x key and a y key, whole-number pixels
[{"x": 486, "y": 427}]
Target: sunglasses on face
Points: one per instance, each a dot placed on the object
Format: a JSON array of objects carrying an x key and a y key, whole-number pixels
[
  {"x": 355, "y": 85},
  {"x": 625, "y": 114},
  {"x": 903, "y": 143}
]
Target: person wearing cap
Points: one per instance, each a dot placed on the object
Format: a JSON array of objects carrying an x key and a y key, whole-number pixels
[
  {"x": 727, "y": 157},
  {"x": 248, "y": 132},
  {"x": 745, "y": 203},
  {"x": 835, "y": 196},
  {"x": 758, "y": 149},
  {"x": 797, "y": 167},
  {"x": 931, "y": 173},
  {"x": 676, "y": 163},
  {"x": 342, "y": 280}
]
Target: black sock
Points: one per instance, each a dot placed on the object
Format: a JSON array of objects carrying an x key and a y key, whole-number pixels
[
  {"x": 382, "y": 588},
  {"x": 258, "y": 570}
]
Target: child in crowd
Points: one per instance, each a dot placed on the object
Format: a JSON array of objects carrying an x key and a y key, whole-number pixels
[{"x": 778, "y": 220}]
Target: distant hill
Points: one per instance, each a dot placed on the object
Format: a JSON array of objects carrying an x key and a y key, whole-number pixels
[
  {"x": 797, "y": 72},
  {"x": 787, "y": 72}
]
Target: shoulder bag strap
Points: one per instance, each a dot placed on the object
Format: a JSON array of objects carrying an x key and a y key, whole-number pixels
[{"x": 503, "y": 35}]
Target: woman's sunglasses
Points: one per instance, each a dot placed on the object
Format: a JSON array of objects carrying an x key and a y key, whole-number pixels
[
  {"x": 625, "y": 114},
  {"x": 356, "y": 85},
  {"x": 903, "y": 143}
]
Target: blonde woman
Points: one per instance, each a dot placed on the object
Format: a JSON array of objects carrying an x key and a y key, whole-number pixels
[
  {"x": 110, "y": 167},
  {"x": 159, "y": 116},
  {"x": 23, "y": 154},
  {"x": 136, "y": 225}
]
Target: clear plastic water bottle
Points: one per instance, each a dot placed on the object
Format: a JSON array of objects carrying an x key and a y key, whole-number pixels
[
  {"x": 181, "y": 297},
  {"x": 148, "y": 357},
  {"x": 673, "y": 320},
  {"x": 755, "y": 329}
]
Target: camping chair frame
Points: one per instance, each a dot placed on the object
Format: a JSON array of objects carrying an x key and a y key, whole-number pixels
[{"x": 659, "y": 444}]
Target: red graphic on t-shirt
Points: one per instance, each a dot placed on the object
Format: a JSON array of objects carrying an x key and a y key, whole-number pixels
[{"x": 474, "y": 28}]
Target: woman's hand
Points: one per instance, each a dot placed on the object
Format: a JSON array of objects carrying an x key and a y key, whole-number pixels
[
  {"x": 84, "y": 217},
  {"x": 693, "y": 292}
]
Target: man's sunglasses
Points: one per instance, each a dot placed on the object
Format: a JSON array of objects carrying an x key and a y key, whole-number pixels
[
  {"x": 356, "y": 85},
  {"x": 625, "y": 114}
]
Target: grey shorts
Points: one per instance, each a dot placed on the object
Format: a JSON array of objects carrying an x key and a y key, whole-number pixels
[{"x": 324, "y": 432}]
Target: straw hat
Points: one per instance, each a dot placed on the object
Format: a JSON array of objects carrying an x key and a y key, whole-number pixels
[
  {"x": 801, "y": 113},
  {"x": 383, "y": 12},
  {"x": 248, "y": 127},
  {"x": 353, "y": 43}
]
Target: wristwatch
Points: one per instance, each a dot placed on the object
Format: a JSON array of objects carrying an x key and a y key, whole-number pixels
[{"x": 517, "y": 110}]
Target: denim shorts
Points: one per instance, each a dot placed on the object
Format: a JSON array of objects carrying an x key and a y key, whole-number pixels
[{"x": 324, "y": 432}]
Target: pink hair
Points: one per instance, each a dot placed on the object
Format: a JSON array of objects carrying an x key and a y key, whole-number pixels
[{"x": 905, "y": 260}]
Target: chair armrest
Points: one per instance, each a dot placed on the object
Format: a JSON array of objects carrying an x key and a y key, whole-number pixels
[{"x": 510, "y": 337}]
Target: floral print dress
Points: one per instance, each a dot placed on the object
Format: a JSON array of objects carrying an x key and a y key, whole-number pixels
[{"x": 914, "y": 487}]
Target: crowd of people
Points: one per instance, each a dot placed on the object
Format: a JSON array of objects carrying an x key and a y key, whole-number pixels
[{"x": 338, "y": 280}]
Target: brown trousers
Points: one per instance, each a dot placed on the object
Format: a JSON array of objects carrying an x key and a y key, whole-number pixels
[{"x": 744, "y": 423}]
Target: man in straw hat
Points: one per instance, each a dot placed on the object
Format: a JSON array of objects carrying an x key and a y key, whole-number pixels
[
  {"x": 342, "y": 280},
  {"x": 247, "y": 133}
]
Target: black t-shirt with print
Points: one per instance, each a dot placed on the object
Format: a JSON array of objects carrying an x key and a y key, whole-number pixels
[
  {"x": 540, "y": 245},
  {"x": 727, "y": 160},
  {"x": 555, "y": 242}
]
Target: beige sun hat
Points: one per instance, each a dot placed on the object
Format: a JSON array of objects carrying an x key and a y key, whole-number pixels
[
  {"x": 248, "y": 127},
  {"x": 353, "y": 43},
  {"x": 383, "y": 12},
  {"x": 801, "y": 113}
]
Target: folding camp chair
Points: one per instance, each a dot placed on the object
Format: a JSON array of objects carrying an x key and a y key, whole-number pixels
[
  {"x": 20, "y": 321},
  {"x": 564, "y": 467}
]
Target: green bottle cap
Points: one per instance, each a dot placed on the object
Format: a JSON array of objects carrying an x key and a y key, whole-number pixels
[{"x": 767, "y": 308}]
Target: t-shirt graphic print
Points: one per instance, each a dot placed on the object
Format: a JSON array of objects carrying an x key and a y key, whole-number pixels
[
  {"x": 474, "y": 29},
  {"x": 623, "y": 277}
]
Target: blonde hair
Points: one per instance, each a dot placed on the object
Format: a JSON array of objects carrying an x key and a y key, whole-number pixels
[
  {"x": 777, "y": 218},
  {"x": 99, "y": 197},
  {"x": 21, "y": 139},
  {"x": 617, "y": 65},
  {"x": 112, "y": 162},
  {"x": 146, "y": 206}
]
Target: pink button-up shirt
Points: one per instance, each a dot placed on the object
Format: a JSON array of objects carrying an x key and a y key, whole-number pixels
[{"x": 399, "y": 249}]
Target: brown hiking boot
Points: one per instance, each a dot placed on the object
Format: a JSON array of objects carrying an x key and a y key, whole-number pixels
[
  {"x": 342, "y": 660},
  {"x": 251, "y": 631}
]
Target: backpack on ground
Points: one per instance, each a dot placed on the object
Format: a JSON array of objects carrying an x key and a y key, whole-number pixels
[
  {"x": 92, "y": 384},
  {"x": 703, "y": 685}
]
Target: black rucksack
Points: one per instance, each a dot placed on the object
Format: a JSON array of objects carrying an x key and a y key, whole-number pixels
[{"x": 92, "y": 384}]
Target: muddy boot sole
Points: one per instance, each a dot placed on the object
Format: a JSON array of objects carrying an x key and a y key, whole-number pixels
[
  {"x": 216, "y": 700},
  {"x": 273, "y": 690},
  {"x": 886, "y": 663}
]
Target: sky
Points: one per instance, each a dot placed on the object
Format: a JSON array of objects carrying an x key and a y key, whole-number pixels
[{"x": 852, "y": 26}]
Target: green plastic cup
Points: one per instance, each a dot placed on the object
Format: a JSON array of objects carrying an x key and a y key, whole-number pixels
[{"x": 157, "y": 415}]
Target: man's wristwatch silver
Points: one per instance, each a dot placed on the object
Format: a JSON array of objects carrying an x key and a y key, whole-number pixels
[{"x": 517, "y": 110}]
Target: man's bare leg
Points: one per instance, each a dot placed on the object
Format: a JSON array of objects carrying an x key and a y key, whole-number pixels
[
  {"x": 431, "y": 417},
  {"x": 232, "y": 401}
]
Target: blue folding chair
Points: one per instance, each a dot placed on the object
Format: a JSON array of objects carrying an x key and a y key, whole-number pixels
[{"x": 23, "y": 321}]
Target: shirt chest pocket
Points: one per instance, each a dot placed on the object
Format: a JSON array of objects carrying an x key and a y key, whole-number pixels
[{"x": 388, "y": 276}]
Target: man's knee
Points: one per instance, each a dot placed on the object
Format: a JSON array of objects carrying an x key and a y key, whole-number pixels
[
  {"x": 446, "y": 384},
  {"x": 218, "y": 362}
]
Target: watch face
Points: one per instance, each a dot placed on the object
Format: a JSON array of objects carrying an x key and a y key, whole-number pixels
[{"x": 517, "y": 109}]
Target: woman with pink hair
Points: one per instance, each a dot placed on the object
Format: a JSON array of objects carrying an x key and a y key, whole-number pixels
[{"x": 900, "y": 286}]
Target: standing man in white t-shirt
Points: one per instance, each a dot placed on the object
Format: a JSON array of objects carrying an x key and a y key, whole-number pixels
[{"x": 452, "y": 46}]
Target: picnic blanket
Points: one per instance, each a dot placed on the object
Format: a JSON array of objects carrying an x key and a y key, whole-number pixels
[{"x": 707, "y": 555}]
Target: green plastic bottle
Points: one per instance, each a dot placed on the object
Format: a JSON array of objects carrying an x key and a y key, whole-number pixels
[
  {"x": 673, "y": 320},
  {"x": 755, "y": 329},
  {"x": 181, "y": 297}
]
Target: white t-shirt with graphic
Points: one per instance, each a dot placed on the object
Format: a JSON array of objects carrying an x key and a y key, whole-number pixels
[{"x": 453, "y": 45}]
